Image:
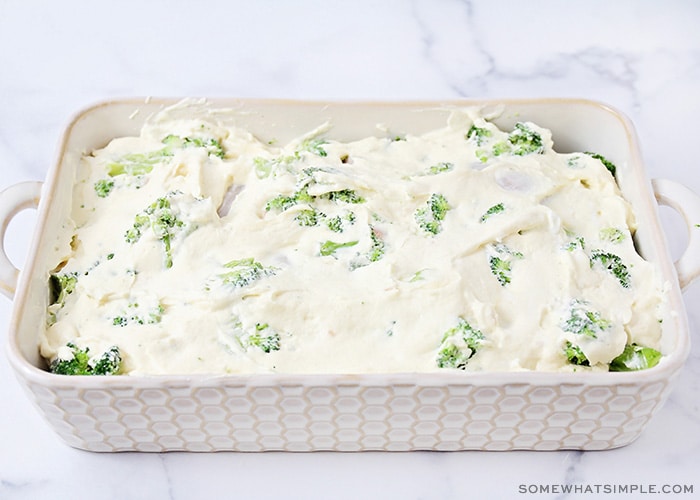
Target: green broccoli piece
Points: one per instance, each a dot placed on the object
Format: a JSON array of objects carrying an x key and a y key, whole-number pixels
[
  {"x": 134, "y": 233},
  {"x": 120, "y": 321},
  {"x": 264, "y": 167},
  {"x": 61, "y": 285},
  {"x": 577, "y": 242},
  {"x": 439, "y": 168},
  {"x": 103, "y": 187},
  {"x": 500, "y": 148},
  {"x": 80, "y": 363},
  {"x": 330, "y": 247},
  {"x": 525, "y": 141},
  {"x": 575, "y": 355},
  {"x": 612, "y": 234},
  {"x": 140, "y": 315},
  {"x": 500, "y": 262},
  {"x": 211, "y": 145},
  {"x": 478, "y": 134},
  {"x": 109, "y": 363},
  {"x": 135, "y": 164},
  {"x": 417, "y": 276},
  {"x": 635, "y": 357},
  {"x": 282, "y": 202},
  {"x": 500, "y": 268},
  {"x": 344, "y": 196},
  {"x": 264, "y": 338},
  {"x": 498, "y": 208},
  {"x": 309, "y": 217},
  {"x": 612, "y": 264},
  {"x": 313, "y": 146},
  {"x": 375, "y": 253},
  {"x": 458, "y": 345},
  {"x": 337, "y": 223},
  {"x": 162, "y": 220},
  {"x": 607, "y": 163},
  {"x": 583, "y": 320},
  {"x": 243, "y": 272},
  {"x": 429, "y": 218},
  {"x": 377, "y": 250}
]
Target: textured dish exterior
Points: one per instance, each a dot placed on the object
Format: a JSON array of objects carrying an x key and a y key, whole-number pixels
[
  {"x": 397, "y": 412},
  {"x": 322, "y": 415}
]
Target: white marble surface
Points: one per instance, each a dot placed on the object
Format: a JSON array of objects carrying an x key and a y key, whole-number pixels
[{"x": 642, "y": 57}]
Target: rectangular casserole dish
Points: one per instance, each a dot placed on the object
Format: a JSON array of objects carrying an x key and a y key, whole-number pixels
[{"x": 397, "y": 412}]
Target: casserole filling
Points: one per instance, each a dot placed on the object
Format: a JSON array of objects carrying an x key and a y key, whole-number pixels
[{"x": 198, "y": 248}]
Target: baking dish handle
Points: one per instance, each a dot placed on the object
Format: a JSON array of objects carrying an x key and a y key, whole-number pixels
[
  {"x": 13, "y": 200},
  {"x": 687, "y": 203}
]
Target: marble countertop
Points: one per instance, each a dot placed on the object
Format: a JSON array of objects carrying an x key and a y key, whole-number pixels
[{"x": 642, "y": 57}]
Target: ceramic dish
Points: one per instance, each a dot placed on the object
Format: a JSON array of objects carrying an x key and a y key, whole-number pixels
[{"x": 404, "y": 411}]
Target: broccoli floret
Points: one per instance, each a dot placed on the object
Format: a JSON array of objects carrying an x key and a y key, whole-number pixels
[
  {"x": 135, "y": 164},
  {"x": 140, "y": 315},
  {"x": 577, "y": 242},
  {"x": 264, "y": 338},
  {"x": 80, "y": 362},
  {"x": 500, "y": 260},
  {"x": 264, "y": 167},
  {"x": 309, "y": 217},
  {"x": 377, "y": 250},
  {"x": 283, "y": 202},
  {"x": 429, "y": 218},
  {"x": 575, "y": 355},
  {"x": 478, "y": 134},
  {"x": 525, "y": 141},
  {"x": 635, "y": 357},
  {"x": 607, "y": 163},
  {"x": 313, "y": 146},
  {"x": 212, "y": 146},
  {"x": 375, "y": 253},
  {"x": 120, "y": 321},
  {"x": 134, "y": 233},
  {"x": 109, "y": 363},
  {"x": 439, "y": 168},
  {"x": 498, "y": 208},
  {"x": 581, "y": 319},
  {"x": 243, "y": 272},
  {"x": 337, "y": 223},
  {"x": 458, "y": 345},
  {"x": 343, "y": 196},
  {"x": 500, "y": 268},
  {"x": 417, "y": 276},
  {"x": 612, "y": 264},
  {"x": 500, "y": 148},
  {"x": 163, "y": 222},
  {"x": 103, "y": 187},
  {"x": 61, "y": 285},
  {"x": 330, "y": 247},
  {"x": 612, "y": 234}
]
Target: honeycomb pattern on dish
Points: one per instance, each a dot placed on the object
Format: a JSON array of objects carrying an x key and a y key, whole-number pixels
[{"x": 350, "y": 417}]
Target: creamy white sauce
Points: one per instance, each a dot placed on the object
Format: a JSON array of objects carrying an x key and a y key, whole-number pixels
[{"x": 387, "y": 295}]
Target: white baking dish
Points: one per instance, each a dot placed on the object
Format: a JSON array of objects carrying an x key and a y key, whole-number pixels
[{"x": 406, "y": 411}]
